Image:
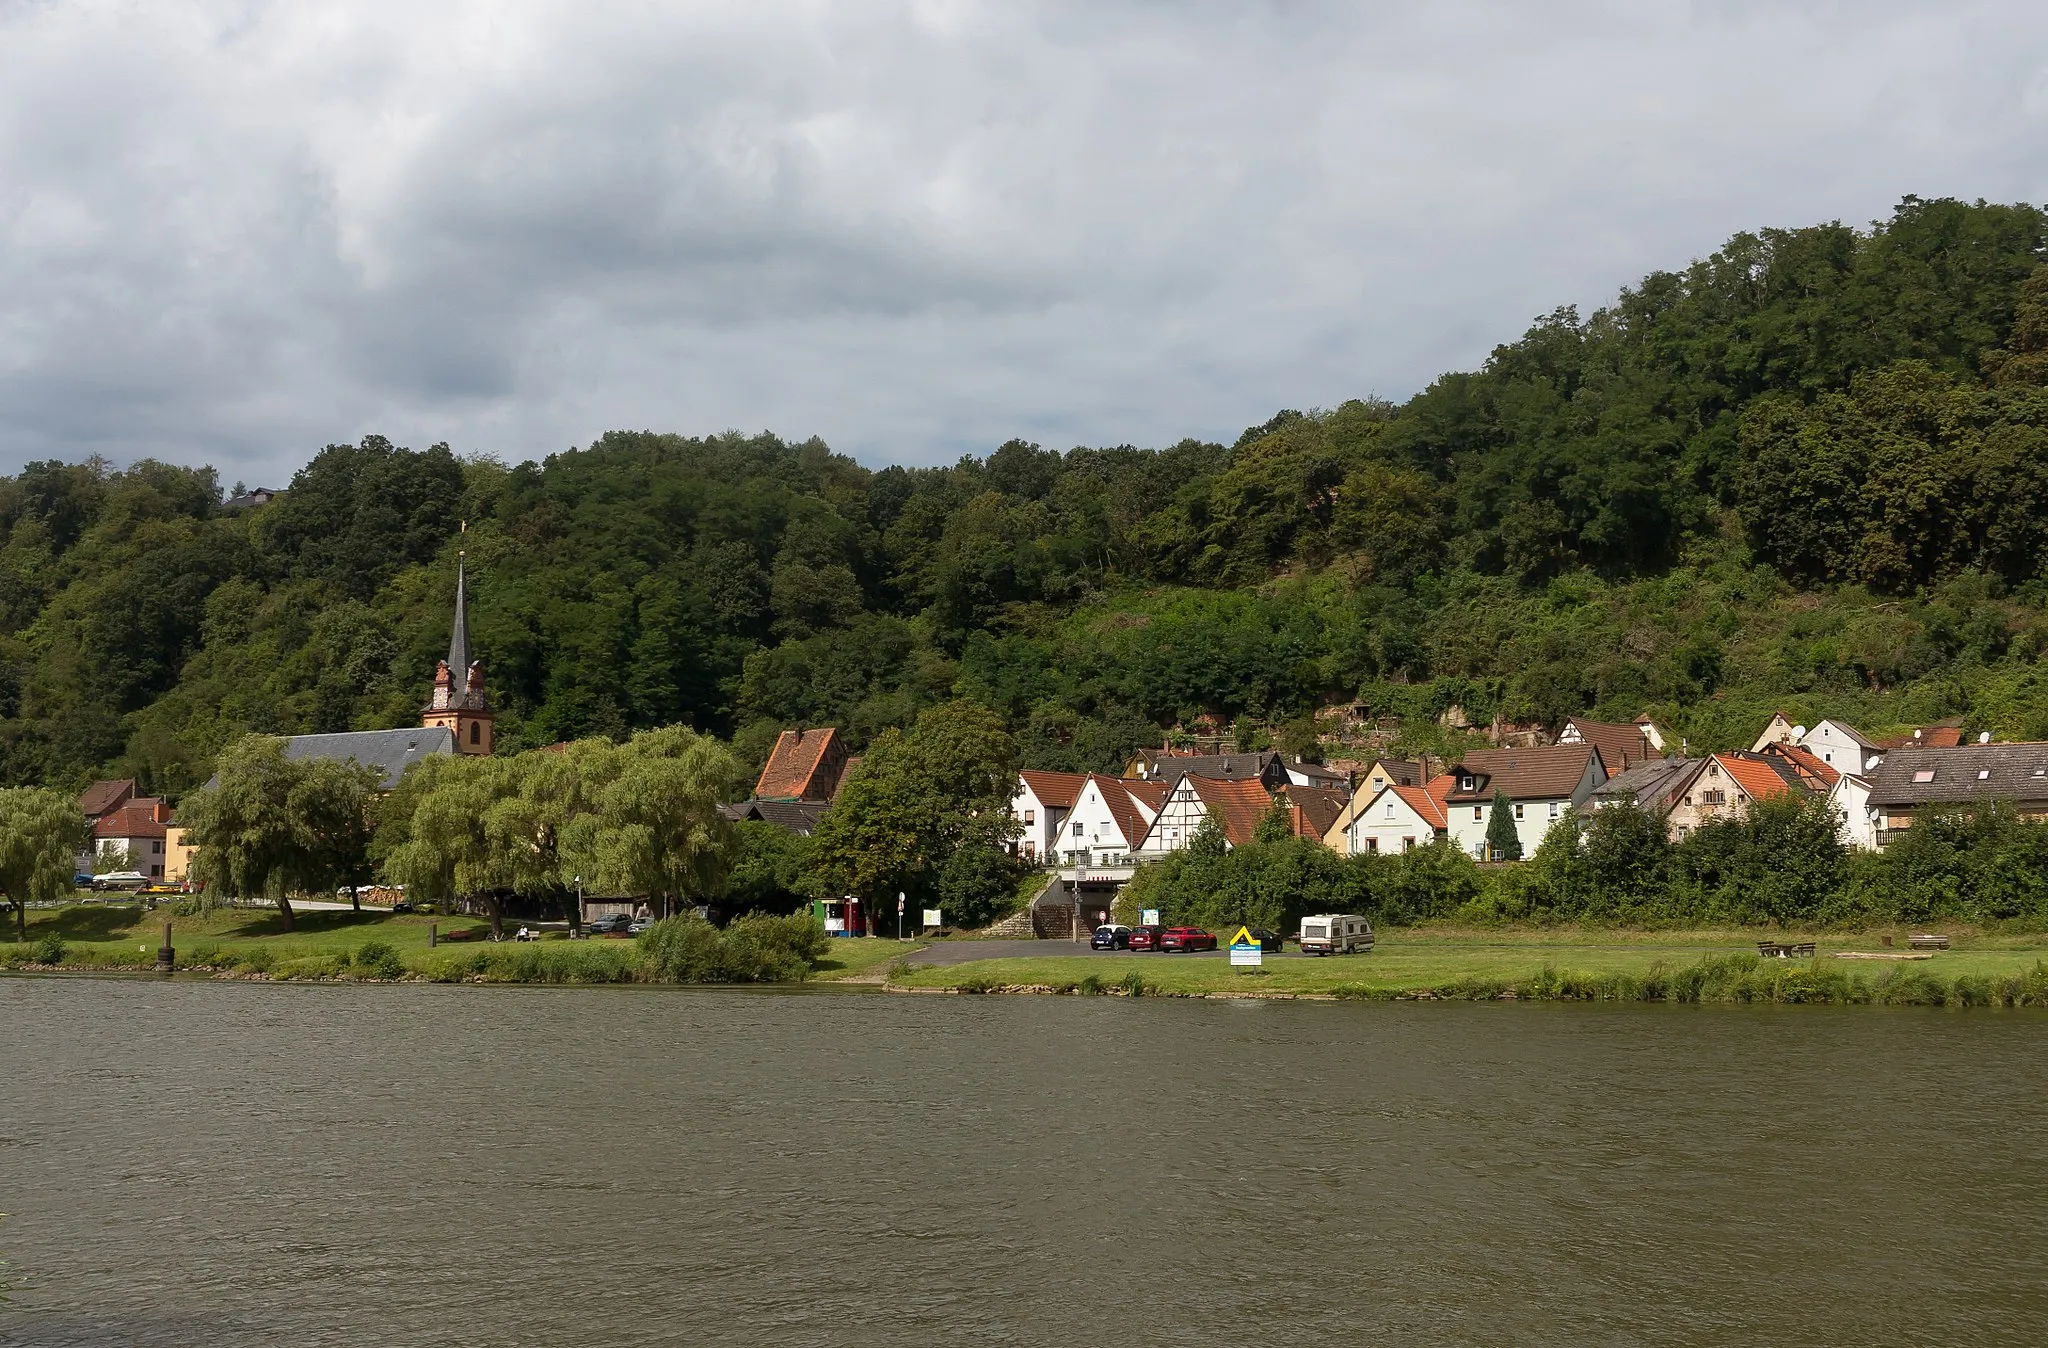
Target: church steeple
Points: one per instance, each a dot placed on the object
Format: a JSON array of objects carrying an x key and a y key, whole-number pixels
[{"x": 458, "y": 701}]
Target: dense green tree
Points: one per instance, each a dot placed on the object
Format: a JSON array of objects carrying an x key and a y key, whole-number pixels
[
  {"x": 1503, "y": 841},
  {"x": 41, "y": 834},
  {"x": 268, "y": 827}
]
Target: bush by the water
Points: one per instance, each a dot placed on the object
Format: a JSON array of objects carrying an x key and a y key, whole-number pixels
[
  {"x": 1781, "y": 866},
  {"x": 757, "y": 948},
  {"x": 47, "y": 949},
  {"x": 377, "y": 959}
]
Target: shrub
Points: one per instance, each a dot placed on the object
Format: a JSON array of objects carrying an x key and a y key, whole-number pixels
[
  {"x": 258, "y": 959},
  {"x": 377, "y": 959},
  {"x": 47, "y": 949},
  {"x": 757, "y": 948}
]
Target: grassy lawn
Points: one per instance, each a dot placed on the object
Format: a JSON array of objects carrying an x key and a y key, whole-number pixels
[
  {"x": 1414, "y": 960},
  {"x": 130, "y": 934},
  {"x": 846, "y": 957}
]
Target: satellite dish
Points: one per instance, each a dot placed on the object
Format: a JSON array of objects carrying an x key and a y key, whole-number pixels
[
  {"x": 1799, "y": 732},
  {"x": 1984, "y": 738}
]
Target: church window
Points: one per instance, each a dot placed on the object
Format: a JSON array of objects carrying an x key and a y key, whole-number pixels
[{"x": 475, "y": 732}]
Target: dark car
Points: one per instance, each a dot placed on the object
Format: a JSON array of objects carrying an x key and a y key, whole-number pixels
[
  {"x": 1144, "y": 938},
  {"x": 1111, "y": 936},
  {"x": 1270, "y": 942},
  {"x": 1187, "y": 940},
  {"x": 609, "y": 924}
]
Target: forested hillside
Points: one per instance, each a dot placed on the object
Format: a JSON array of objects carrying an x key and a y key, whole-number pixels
[{"x": 1809, "y": 471}]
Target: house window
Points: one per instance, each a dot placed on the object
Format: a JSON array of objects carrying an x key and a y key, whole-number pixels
[
  {"x": 1923, "y": 777},
  {"x": 1553, "y": 809},
  {"x": 475, "y": 730},
  {"x": 1030, "y": 816},
  {"x": 1372, "y": 844},
  {"x": 157, "y": 846},
  {"x": 1518, "y": 809},
  {"x": 1077, "y": 829},
  {"x": 1464, "y": 783},
  {"x": 1407, "y": 844},
  {"x": 1983, "y": 774},
  {"x": 1390, "y": 809},
  {"x": 157, "y": 872},
  {"x": 1682, "y": 831},
  {"x": 1478, "y": 811}
]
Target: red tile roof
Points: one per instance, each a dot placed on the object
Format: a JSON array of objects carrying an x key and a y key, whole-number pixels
[
  {"x": 1236, "y": 805},
  {"x": 1755, "y": 775},
  {"x": 1815, "y": 775},
  {"x": 1151, "y": 794},
  {"x": 141, "y": 818},
  {"x": 1943, "y": 736},
  {"x": 806, "y": 765},
  {"x": 1621, "y": 746},
  {"x": 1426, "y": 801},
  {"x": 1056, "y": 790}
]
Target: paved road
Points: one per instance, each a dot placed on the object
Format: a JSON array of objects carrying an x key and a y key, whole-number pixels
[{"x": 964, "y": 952}]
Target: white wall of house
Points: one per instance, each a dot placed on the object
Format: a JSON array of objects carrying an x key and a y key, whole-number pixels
[
  {"x": 1039, "y": 839},
  {"x": 1092, "y": 832},
  {"x": 1179, "y": 817},
  {"x": 1533, "y": 817},
  {"x": 148, "y": 853},
  {"x": 1850, "y": 799},
  {"x": 1388, "y": 823},
  {"x": 1831, "y": 742}
]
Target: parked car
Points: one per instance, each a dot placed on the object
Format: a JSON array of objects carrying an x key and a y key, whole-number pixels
[
  {"x": 608, "y": 924},
  {"x": 401, "y": 907},
  {"x": 1335, "y": 934},
  {"x": 1270, "y": 942},
  {"x": 638, "y": 925},
  {"x": 1187, "y": 940},
  {"x": 1144, "y": 938},
  {"x": 120, "y": 880},
  {"x": 1111, "y": 936},
  {"x": 82, "y": 880}
]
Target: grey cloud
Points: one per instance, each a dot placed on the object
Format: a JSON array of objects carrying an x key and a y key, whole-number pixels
[{"x": 232, "y": 232}]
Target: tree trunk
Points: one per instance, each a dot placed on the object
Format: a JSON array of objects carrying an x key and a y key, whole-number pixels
[
  {"x": 355, "y": 899},
  {"x": 284, "y": 908},
  {"x": 496, "y": 905},
  {"x": 21, "y": 919}
]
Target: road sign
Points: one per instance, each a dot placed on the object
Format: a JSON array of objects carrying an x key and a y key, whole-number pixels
[
  {"x": 1245, "y": 950},
  {"x": 899, "y": 905},
  {"x": 931, "y": 918},
  {"x": 1149, "y": 918}
]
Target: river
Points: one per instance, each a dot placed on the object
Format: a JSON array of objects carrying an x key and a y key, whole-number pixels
[{"x": 188, "y": 1162}]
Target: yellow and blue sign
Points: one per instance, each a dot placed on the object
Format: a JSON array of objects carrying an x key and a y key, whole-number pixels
[{"x": 1245, "y": 949}]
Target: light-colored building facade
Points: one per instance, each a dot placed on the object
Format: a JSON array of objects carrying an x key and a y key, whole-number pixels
[
  {"x": 1541, "y": 784},
  {"x": 1041, "y": 804},
  {"x": 1399, "y": 818}
]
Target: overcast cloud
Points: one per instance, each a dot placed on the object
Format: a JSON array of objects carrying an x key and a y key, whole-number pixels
[{"x": 233, "y": 232}]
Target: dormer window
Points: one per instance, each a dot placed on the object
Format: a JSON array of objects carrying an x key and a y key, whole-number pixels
[
  {"x": 1923, "y": 777},
  {"x": 1465, "y": 783}
]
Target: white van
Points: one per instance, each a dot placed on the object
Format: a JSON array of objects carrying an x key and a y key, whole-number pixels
[{"x": 1335, "y": 934}]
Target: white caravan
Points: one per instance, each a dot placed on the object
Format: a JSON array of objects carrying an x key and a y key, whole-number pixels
[{"x": 1335, "y": 934}]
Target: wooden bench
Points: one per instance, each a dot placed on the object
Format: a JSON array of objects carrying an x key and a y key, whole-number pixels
[
  {"x": 1925, "y": 942},
  {"x": 1784, "y": 950}
]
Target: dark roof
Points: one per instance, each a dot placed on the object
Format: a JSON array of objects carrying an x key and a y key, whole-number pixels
[
  {"x": 101, "y": 797},
  {"x": 1621, "y": 746},
  {"x": 1221, "y": 767},
  {"x": 255, "y": 496},
  {"x": 805, "y": 765},
  {"x": 1966, "y": 773},
  {"x": 390, "y": 752},
  {"x": 791, "y": 816},
  {"x": 1316, "y": 808},
  {"x": 1403, "y": 771},
  {"x": 1318, "y": 775},
  {"x": 1652, "y": 785},
  {"x": 1550, "y": 771}
]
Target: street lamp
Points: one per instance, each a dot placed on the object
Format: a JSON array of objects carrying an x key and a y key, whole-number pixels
[{"x": 579, "y": 905}]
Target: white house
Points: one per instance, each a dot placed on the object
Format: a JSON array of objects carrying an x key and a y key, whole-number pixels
[
  {"x": 1841, "y": 746},
  {"x": 1541, "y": 783},
  {"x": 1108, "y": 822},
  {"x": 1041, "y": 804},
  {"x": 1399, "y": 818},
  {"x": 1849, "y": 798},
  {"x": 1237, "y": 805}
]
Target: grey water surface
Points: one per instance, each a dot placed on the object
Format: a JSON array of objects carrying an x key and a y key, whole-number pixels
[{"x": 187, "y": 1162}]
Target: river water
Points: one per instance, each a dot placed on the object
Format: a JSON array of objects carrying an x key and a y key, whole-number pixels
[{"x": 188, "y": 1162}]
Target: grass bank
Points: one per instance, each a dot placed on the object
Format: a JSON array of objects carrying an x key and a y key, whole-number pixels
[{"x": 1548, "y": 965}]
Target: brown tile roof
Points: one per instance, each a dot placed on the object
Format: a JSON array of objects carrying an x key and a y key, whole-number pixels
[
  {"x": 1236, "y": 805},
  {"x": 805, "y": 765},
  {"x": 1940, "y": 735},
  {"x": 1406, "y": 771},
  {"x": 1961, "y": 775},
  {"x": 1759, "y": 777},
  {"x": 1621, "y": 746},
  {"x": 101, "y": 797},
  {"x": 1546, "y": 772},
  {"x": 144, "y": 817},
  {"x": 1315, "y": 809},
  {"x": 1056, "y": 790},
  {"x": 1150, "y": 794},
  {"x": 1814, "y": 774},
  {"x": 1425, "y": 802}
]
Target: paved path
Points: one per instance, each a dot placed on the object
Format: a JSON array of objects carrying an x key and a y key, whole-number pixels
[{"x": 964, "y": 952}]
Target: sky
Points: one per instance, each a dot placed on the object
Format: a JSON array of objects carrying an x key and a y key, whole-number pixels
[{"x": 233, "y": 231}]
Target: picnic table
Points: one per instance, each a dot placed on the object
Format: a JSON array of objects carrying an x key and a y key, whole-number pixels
[
  {"x": 1784, "y": 950},
  {"x": 1927, "y": 942}
]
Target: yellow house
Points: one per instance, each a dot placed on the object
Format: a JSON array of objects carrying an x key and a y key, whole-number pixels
[{"x": 177, "y": 855}]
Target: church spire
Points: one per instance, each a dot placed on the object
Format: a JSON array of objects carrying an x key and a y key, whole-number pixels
[{"x": 458, "y": 640}]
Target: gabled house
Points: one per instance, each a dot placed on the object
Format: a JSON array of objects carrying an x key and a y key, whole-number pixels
[
  {"x": 1621, "y": 746},
  {"x": 1841, "y": 746},
  {"x": 1107, "y": 823},
  {"x": 1541, "y": 783},
  {"x": 1653, "y": 786},
  {"x": 804, "y": 765},
  {"x": 1856, "y": 822},
  {"x": 1377, "y": 777},
  {"x": 1724, "y": 786},
  {"x": 1237, "y": 806},
  {"x": 1267, "y": 766},
  {"x": 1909, "y": 783},
  {"x": 1778, "y": 730},
  {"x": 137, "y": 829},
  {"x": 1041, "y": 805},
  {"x": 1398, "y": 818},
  {"x": 800, "y": 817}
]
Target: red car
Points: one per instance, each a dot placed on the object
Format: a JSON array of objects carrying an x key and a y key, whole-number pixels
[
  {"x": 1186, "y": 939},
  {"x": 1145, "y": 938}
]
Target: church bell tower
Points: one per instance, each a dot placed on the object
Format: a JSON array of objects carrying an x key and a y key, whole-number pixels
[{"x": 459, "y": 701}]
